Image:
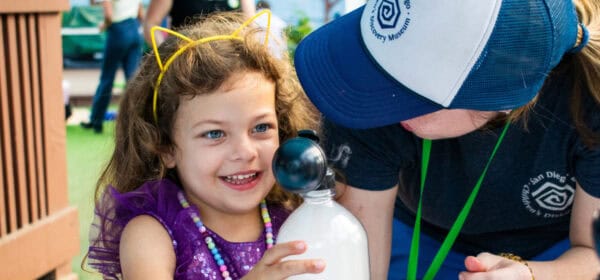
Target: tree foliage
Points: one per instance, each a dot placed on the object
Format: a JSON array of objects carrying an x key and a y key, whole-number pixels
[{"x": 296, "y": 32}]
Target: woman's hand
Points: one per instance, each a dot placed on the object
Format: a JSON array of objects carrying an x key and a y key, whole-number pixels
[
  {"x": 271, "y": 267},
  {"x": 489, "y": 266}
]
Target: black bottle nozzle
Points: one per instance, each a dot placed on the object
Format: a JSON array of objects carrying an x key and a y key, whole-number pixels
[{"x": 299, "y": 164}]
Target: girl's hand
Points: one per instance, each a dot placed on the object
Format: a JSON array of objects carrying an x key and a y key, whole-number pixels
[
  {"x": 489, "y": 266},
  {"x": 270, "y": 267}
]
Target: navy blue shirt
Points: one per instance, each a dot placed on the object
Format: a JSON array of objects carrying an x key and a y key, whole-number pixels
[
  {"x": 525, "y": 201},
  {"x": 186, "y": 11}
]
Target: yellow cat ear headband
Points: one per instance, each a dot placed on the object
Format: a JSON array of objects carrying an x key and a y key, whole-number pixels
[{"x": 191, "y": 43}]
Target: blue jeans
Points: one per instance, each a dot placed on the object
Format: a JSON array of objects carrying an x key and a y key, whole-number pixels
[
  {"x": 123, "y": 48},
  {"x": 428, "y": 247}
]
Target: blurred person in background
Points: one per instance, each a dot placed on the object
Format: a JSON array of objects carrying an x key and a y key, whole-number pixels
[
  {"x": 183, "y": 12},
  {"x": 277, "y": 39},
  {"x": 123, "y": 48}
]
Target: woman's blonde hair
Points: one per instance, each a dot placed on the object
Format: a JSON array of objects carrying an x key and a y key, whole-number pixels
[
  {"x": 140, "y": 140},
  {"x": 584, "y": 68}
]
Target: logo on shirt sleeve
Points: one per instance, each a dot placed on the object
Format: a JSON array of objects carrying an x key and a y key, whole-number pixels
[{"x": 549, "y": 194}]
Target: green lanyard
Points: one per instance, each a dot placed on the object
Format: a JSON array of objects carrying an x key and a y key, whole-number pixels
[{"x": 455, "y": 229}]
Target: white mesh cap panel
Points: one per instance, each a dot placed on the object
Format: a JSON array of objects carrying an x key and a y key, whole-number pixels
[{"x": 428, "y": 47}]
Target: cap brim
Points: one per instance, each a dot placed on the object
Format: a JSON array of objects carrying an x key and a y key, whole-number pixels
[{"x": 346, "y": 85}]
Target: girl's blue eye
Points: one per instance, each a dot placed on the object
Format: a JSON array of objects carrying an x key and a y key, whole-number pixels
[
  {"x": 214, "y": 134},
  {"x": 263, "y": 127}
]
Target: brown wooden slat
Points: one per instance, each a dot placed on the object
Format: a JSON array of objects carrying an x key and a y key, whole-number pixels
[
  {"x": 26, "y": 85},
  {"x": 37, "y": 116},
  {"x": 28, "y": 6},
  {"x": 54, "y": 112},
  {"x": 5, "y": 179},
  {"x": 7, "y": 149},
  {"x": 17, "y": 121}
]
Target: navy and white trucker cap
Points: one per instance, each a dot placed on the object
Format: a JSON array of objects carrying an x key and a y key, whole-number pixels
[{"x": 392, "y": 60}]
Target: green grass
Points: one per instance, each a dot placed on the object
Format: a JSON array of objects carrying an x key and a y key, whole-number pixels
[{"x": 87, "y": 154}]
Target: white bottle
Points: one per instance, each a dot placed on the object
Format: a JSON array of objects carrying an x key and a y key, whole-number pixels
[{"x": 331, "y": 233}]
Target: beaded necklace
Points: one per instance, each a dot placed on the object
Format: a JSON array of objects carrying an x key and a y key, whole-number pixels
[{"x": 264, "y": 211}]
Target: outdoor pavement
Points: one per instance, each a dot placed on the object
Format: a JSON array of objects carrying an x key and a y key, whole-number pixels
[{"x": 80, "y": 84}]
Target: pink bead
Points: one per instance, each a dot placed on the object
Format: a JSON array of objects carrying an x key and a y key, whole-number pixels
[
  {"x": 268, "y": 224},
  {"x": 223, "y": 268}
]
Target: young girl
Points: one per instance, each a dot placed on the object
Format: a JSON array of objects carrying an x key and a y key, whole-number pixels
[{"x": 191, "y": 194}]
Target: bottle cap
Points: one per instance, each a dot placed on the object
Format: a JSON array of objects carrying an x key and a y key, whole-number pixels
[{"x": 299, "y": 164}]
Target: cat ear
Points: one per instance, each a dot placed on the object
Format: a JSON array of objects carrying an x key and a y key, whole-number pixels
[
  {"x": 155, "y": 44},
  {"x": 266, "y": 12},
  {"x": 234, "y": 36}
]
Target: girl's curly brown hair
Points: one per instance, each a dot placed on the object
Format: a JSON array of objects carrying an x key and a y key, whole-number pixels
[{"x": 202, "y": 69}]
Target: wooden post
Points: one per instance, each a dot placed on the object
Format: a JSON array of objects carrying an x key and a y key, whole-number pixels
[{"x": 39, "y": 231}]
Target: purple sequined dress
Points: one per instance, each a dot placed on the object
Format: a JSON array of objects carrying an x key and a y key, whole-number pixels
[{"x": 159, "y": 200}]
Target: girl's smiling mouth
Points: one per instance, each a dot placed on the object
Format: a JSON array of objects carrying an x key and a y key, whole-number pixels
[{"x": 242, "y": 182}]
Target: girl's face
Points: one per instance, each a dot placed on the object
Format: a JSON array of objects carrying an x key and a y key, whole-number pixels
[
  {"x": 448, "y": 123},
  {"x": 225, "y": 142}
]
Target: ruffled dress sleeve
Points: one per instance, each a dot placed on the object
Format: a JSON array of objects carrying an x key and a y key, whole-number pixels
[{"x": 115, "y": 210}]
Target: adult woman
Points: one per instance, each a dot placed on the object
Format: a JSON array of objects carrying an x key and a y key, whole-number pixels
[{"x": 508, "y": 90}]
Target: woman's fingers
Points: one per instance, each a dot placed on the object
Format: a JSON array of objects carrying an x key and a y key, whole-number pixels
[
  {"x": 473, "y": 264},
  {"x": 488, "y": 266}
]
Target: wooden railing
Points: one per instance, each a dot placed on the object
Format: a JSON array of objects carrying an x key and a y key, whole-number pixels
[{"x": 38, "y": 229}]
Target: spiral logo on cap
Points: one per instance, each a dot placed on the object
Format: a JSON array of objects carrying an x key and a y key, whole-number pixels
[
  {"x": 388, "y": 13},
  {"x": 384, "y": 21}
]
